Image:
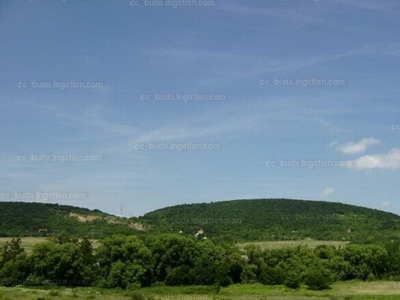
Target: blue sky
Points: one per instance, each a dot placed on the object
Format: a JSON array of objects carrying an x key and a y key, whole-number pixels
[{"x": 298, "y": 99}]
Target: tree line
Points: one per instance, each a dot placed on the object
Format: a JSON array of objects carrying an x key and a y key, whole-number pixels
[{"x": 131, "y": 262}]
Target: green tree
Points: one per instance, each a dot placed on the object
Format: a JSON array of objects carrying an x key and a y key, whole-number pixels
[
  {"x": 14, "y": 263},
  {"x": 393, "y": 259},
  {"x": 272, "y": 275},
  {"x": 10, "y": 251},
  {"x": 292, "y": 280},
  {"x": 249, "y": 274},
  {"x": 62, "y": 264},
  {"x": 124, "y": 261},
  {"x": 212, "y": 266},
  {"x": 318, "y": 278},
  {"x": 169, "y": 252},
  {"x": 236, "y": 261},
  {"x": 367, "y": 259}
]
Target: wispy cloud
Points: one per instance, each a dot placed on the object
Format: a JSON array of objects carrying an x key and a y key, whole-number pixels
[
  {"x": 126, "y": 136},
  {"x": 237, "y": 64},
  {"x": 386, "y": 6},
  {"x": 386, "y": 50},
  {"x": 328, "y": 191},
  {"x": 201, "y": 54},
  {"x": 266, "y": 12},
  {"x": 208, "y": 126},
  {"x": 356, "y": 147}
]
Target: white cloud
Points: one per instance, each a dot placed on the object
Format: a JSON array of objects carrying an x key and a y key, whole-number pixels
[
  {"x": 326, "y": 192},
  {"x": 386, "y": 203},
  {"x": 357, "y": 147},
  {"x": 390, "y": 160}
]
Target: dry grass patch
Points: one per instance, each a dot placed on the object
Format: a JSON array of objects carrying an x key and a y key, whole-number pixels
[
  {"x": 29, "y": 242},
  {"x": 292, "y": 244}
]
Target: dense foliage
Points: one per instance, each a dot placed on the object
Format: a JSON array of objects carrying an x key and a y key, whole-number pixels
[
  {"x": 276, "y": 219},
  {"x": 40, "y": 219},
  {"x": 239, "y": 220},
  {"x": 130, "y": 262}
]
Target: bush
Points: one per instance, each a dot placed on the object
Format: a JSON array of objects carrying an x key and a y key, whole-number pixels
[
  {"x": 249, "y": 274},
  {"x": 272, "y": 276},
  {"x": 158, "y": 284},
  {"x": 371, "y": 277},
  {"x": 292, "y": 280},
  {"x": 15, "y": 270},
  {"x": 137, "y": 296},
  {"x": 200, "y": 290},
  {"x": 318, "y": 278},
  {"x": 133, "y": 286},
  {"x": 54, "y": 293}
]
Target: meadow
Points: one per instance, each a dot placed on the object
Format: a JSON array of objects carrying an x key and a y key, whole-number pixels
[
  {"x": 291, "y": 244},
  {"x": 29, "y": 242},
  {"x": 341, "y": 290}
]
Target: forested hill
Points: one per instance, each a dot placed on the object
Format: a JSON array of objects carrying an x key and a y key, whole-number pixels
[
  {"x": 41, "y": 219},
  {"x": 237, "y": 220},
  {"x": 275, "y": 219}
]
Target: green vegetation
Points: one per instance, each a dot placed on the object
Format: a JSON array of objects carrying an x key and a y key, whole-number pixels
[
  {"x": 154, "y": 264},
  {"x": 132, "y": 262},
  {"x": 351, "y": 290},
  {"x": 276, "y": 220},
  {"x": 29, "y": 243},
  {"x": 293, "y": 244},
  {"x": 43, "y": 219}
]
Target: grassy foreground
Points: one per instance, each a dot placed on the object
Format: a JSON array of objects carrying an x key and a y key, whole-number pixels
[{"x": 341, "y": 290}]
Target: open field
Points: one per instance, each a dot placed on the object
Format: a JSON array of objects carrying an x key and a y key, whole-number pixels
[
  {"x": 26, "y": 242},
  {"x": 29, "y": 242},
  {"x": 342, "y": 290},
  {"x": 282, "y": 244}
]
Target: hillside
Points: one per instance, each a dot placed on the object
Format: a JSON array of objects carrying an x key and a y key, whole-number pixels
[
  {"x": 41, "y": 219},
  {"x": 275, "y": 219},
  {"x": 236, "y": 220}
]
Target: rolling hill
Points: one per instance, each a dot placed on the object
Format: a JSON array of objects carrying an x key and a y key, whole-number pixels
[
  {"x": 275, "y": 219},
  {"x": 236, "y": 220},
  {"x": 41, "y": 219}
]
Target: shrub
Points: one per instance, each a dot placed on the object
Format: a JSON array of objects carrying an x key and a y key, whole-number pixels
[
  {"x": 272, "y": 276},
  {"x": 54, "y": 293},
  {"x": 292, "y": 280},
  {"x": 318, "y": 278},
  {"x": 371, "y": 277},
  {"x": 137, "y": 296}
]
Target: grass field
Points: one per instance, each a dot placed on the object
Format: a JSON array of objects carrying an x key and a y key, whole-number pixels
[
  {"x": 26, "y": 242},
  {"x": 341, "y": 290},
  {"x": 29, "y": 242},
  {"x": 281, "y": 244}
]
